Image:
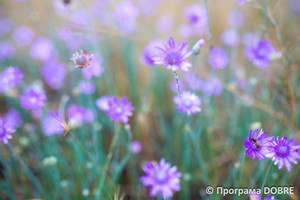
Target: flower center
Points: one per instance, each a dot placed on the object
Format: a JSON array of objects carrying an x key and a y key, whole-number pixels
[
  {"x": 282, "y": 151},
  {"x": 161, "y": 176},
  {"x": 118, "y": 110},
  {"x": 173, "y": 58},
  {"x": 81, "y": 60},
  {"x": 32, "y": 100}
]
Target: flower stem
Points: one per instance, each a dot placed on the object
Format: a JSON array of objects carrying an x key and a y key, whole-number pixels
[
  {"x": 209, "y": 34},
  {"x": 263, "y": 185}
]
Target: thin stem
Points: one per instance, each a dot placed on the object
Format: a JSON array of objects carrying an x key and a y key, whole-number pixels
[
  {"x": 263, "y": 185},
  {"x": 209, "y": 34},
  {"x": 242, "y": 166}
]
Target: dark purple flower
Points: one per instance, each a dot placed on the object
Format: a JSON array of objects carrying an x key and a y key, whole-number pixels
[
  {"x": 94, "y": 68},
  {"x": 162, "y": 178},
  {"x": 33, "y": 98},
  {"x": 174, "y": 56},
  {"x": 6, "y": 129},
  {"x": 87, "y": 87},
  {"x": 52, "y": 125},
  {"x": 230, "y": 38},
  {"x": 218, "y": 58},
  {"x": 54, "y": 74},
  {"x": 103, "y": 103},
  {"x": 78, "y": 115},
  {"x": 42, "y": 49},
  {"x": 11, "y": 77},
  {"x": 135, "y": 147},
  {"x": 196, "y": 15},
  {"x": 23, "y": 35},
  {"x": 258, "y": 144},
  {"x": 270, "y": 197},
  {"x": 283, "y": 152},
  {"x": 13, "y": 118},
  {"x": 188, "y": 103},
  {"x": 212, "y": 86},
  {"x": 125, "y": 15},
  {"x": 150, "y": 51},
  {"x": 7, "y": 50}
]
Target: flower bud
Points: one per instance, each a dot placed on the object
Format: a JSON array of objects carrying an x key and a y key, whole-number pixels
[{"x": 197, "y": 47}]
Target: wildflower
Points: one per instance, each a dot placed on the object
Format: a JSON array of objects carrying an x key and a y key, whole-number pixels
[
  {"x": 150, "y": 51},
  {"x": 135, "y": 147},
  {"x": 11, "y": 77},
  {"x": 196, "y": 15},
  {"x": 54, "y": 74},
  {"x": 6, "y": 129},
  {"x": 6, "y": 25},
  {"x": 188, "y": 103},
  {"x": 212, "y": 86},
  {"x": 42, "y": 49},
  {"x": 82, "y": 59},
  {"x": 218, "y": 58},
  {"x": 241, "y": 2},
  {"x": 258, "y": 143},
  {"x": 14, "y": 118},
  {"x": 255, "y": 196},
  {"x": 174, "y": 56},
  {"x": 7, "y": 50},
  {"x": 197, "y": 47},
  {"x": 103, "y": 103},
  {"x": 283, "y": 152},
  {"x": 230, "y": 38},
  {"x": 87, "y": 87},
  {"x": 95, "y": 68},
  {"x": 162, "y": 178},
  {"x": 193, "y": 82},
  {"x": 54, "y": 124},
  {"x": 33, "y": 98},
  {"x": 270, "y": 198},
  {"x": 119, "y": 110},
  {"x": 125, "y": 15},
  {"x": 23, "y": 35},
  {"x": 78, "y": 115}
]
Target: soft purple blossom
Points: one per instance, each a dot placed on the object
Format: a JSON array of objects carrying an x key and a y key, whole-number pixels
[
  {"x": 174, "y": 56},
  {"x": 54, "y": 74},
  {"x": 78, "y": 115},
  {"x": 135, "y": 147},
  {"x": 94, "y": 69},
  {"x": 150, "y": 51},
  {"x": 218, "y": 58},
  {"x": 212, "y": 86},
  {"x": 189, "y": 103},
  {"x": 230, "y": 38},
  {"x": 80, "y": 18},
  {"x": 23, "y": 35},
  {"x": 6, "y": 129},
  {"x": 11, "y": 77},
  {"x": 241, "y": 2},
  {"x": 36, "y": 114},
  {"x": 165, "y": 24},
  {"x": 42, "y": 49},
  {"x": 33, "y": 98},
  {"x": 196, "y": 15},
  {"x": 6, "y": 25},
  {"x": 162, "y": 178},
  {"x": 126, "y": 14},
  {"x": 51, "y": 125},
  {"x": 103, "y": 103},
  {"x": 119, "y": 110},
  {"x": 149, "y": 8},
  {"x": 270, "y": 197},
  {"x": 14, "y": 118},
  {"x": 254, "y": 196},
  {"x": 193, "y": 82},
  {"x": 250, "y": 39},
  {"x": 284, "y": 152},
  {"x": 235, "y": 19},
  {"x": 7, "y": 50},
  {"x": 98, "y": 8},
  {"x": 87, "y": 87},
  {"x": 186, "y": 31},
  {"x": 197, "y": 47},
  {"x": 173, "y": 86},
  {"x": 257, "y": 144}
]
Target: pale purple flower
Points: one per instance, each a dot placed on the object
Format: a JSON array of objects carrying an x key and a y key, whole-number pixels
[
  {"x": 193, "y": 82},
  {"x": 6, "y": 129},
  {"x": 173, "y": 86},
  {"x": 80, "y": 18},
  {"x": 33, "y": 98},
  {"x": 23, "y": 35},
  {"x": 197, "y": 47},
  {"x": 103, "y": 103},
  {"x": 98, "y": 9},
  {"x": 165, "y": 24},
  {"x": 257, "y": 144},
  {"x": 94, "y": 69},
  {"x": 189, "y": 103},
  {"x": 51, "y": 125},
  {"x": 149, "y": 8},
  {"x": 162, "y": 178},
  {"x": 54, "y": 74},
  {"x": 230, "y": 38},
  {"x": 212, "y": 86},
  {"x": 78, "y": 115},
  {"x": 126, "y": 14},
  {"x": 235, "y": 19},
  {"x": 174, "y": 56},
  {"x": 270, "y": 197},
  {"x": 250, "y": 39},
  {"x": 7, "y": 50},
  {"x": 186, "y": 31},
  {"x": 150, "y": 51},
  {"x": 87, "y": 87},
  {"x": 218, "y": 58},
  {"x": 196, "y": 15},
  {"x": 14, "y": 118},
  {"x": 241, "y": 2},
  {"x": 254, "y": 196},
  {"x": 119, "y": 110},
  {"x": 135, "y": 147},
  {"x": 11, "y": 77},
  {"x": 6, "y": 25},
  {"x": 42, "y": 49},
  {"x": 283, "y": 152}
]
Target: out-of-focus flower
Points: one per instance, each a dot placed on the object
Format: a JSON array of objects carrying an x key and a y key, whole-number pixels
[
  {"x": 162, "y": 178},
  {"x": 33, "y": 98},
  {"x": 6, "y": 25},
  {"x": 174, "y": 56},
  {"x": 196, "y": 15},
  {"x": 53, "y": 124},
  {"x": 212, "y": 86},
  {"x": 235, "y": 19},
  {"x": 125, "y": 15},
  {"x": 87, "y": 87},
  {"x": 82, "y": 59},
  {"x": 218, "y": 58},
  {"x": 42, "y": 49},
  {"x": 186, "y": 31},
  {"x": 85, "y": 192},
  {"x": 150, "y": 51},
  {"x": 189, "y": 103},
  {"x": 261, "y": 54},
  {"x": 80, "y": 18},
  {"x": 193, "y": 82},
  {"x": 78, "y": 115},
  {"x": 254, "y": 196},
  {"x": 7, "y": 50},
  {"x": 119, "y": 110},
  {"x": 54, "y": 74},
  {"x": 230, "y": 38},
  {"x": 165, "y": 24},
  {"x": 149, "y": 8},
  {"x": 173, "y": 86},
  {"x": 241, "y": 2},
  {"x": 6, "y": 129},
  {"x": 14, "y": 118},
  {"x": 250, "y": 39},
  {"x": 257, "y": 144},
  {"x": 103, "y": 103},
  {"x": 135, "y": 147},
  {"x": 23, "y": 35},
  {"x": 50, "y": 161},
  {"x": 283, "y": 152},
  {"x": 197, "y": 47},
  {"x": 11, "y": 77},
  {"x": 98, "y": 8},
  {"x": 36, "y": 114},
  {"x": 61, "y": 7},
  {"x": 270, "y": 197},
  {"x": 94, "y": 68}
]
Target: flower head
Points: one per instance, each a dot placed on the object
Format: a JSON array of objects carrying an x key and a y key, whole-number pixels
[
  {"x": 230, "y": 38},
  {"x": 270, "y": 198},
  {"x": 33, "y": 98},
  {"x": 11, "y": 77},
  {"x": 126, "y": 14},
  {"x": 119, "y": 110},
  {"x": 283, "y": 152},
  {"x": 196, "y": 15},
  {"x": 14, "y": 118},
  {"x": 54, "y": 74},
  {"x": 103, "y": 103},
  {"x": 87, "y": 87},
  {"x": 197, "y": 47},
  {"x": 255, "y": 196},
  {"x": 212, "y": 86},
  {"x": 218, "y": 58},
  {"x": 258, "y": 143},
  {"x": 189, "y": 103},
  {"x": 150, "y": 51},
  {"x": 7, "y": 50},
  {"x": 53, "y": 124},
  {"x": 43, "y": 49},
  {"x": 23, "y": 35},
  {"x": 241, "y": 2},
  {"x": 82, "y": 59},
  {"x": 135, "y": 147},
  {"x": 94, "y": 69},
  {"x": 162, "y": 178},
  {"x": 78, "y": 115},
  {"x": 6, "y": 130},
  {"x": 174, "y": 56}
]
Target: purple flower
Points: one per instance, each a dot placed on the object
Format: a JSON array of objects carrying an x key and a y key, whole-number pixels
[
  {"x": 126, "y": 14},
  {"x": 186, "y": 31},
  {"x": 270, "y": 198},
  {"x": 6, "y": 25},
  {"x": 165, "y": 24},
  {"x": 149, "y": 7},
  {"x": 150, "y": 51},
  {"x": 212, "y": 86},
  {"x": 11, "y": 77},
  {"x": 162, "y": 178},
  {"x": 174, "y": 56},
  {"x": 196, "y": 15},
  {"x": 173, "y": 86},
  {"x": 36, "y": 114},
  {"x": 255, "y": 196},
  {"x": 257, "y": 145},
  {"x": 33, "y": 98},
  {"x": 283, "y": 152},
  {"x": 7, "y": 50},
  {"x": 94, "y": 68},
  {"x": 78, "y": 115},
  {"x": 230, "y": 38},
  {"x": 189, "y": 103},
  {"x": 42, "y": 49},
  {"x": 241, "y": 2},
  {"x": 261, "y": 54},
  {"x": 235, "y": 19},
  {"x": 218, "y": 58},
  {"x": 23, "y": 35},
  {"x": 87, "y": 87},
  {"x": 80, "y": 18},
  {"x": 197, "y": 47},
  {"x": 13, "y": 118},
  {"x": 51, "y": 125},
  {"x": 103, "y": 103},
  {"x": 119, "y": 110},
  {"x": 135, "y": 147},
  {"x": 82, "y": 60},
  {"x": 6, "y": 130},
  {"x": 54, "y": 74}
]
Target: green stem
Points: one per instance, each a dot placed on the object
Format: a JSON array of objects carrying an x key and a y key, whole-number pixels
[
  {"x": 209, "y": 34},
  {"x": 263, "y": 185}
]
